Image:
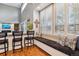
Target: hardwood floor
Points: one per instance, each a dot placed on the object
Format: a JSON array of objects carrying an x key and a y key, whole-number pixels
[{"x": 27, "y": 51}]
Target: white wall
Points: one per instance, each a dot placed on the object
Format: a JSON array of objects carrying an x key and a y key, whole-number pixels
[
  {"x": 36, "y": 17},
  {"x": 28, "y": 11},
  {"x": 23, "y": 26},
  {"x": 8, "y": 14},
  {"x": 28, "y": 14}
]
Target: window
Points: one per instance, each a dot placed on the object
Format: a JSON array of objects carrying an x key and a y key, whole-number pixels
[
  {"x": 46, "y": 20},
  {"x": 59, "y": 18},
  {"x": 68, "y": 13},
  {"x": 73, "y": 23},
  {"x": 71, "y": 19}
]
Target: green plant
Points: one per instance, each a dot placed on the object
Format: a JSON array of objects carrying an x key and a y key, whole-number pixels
[{"x": 30, "y": 25}]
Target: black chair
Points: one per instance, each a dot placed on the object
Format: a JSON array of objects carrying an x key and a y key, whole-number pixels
[
  {"x": 4, "y": 41},
  {"x": 17, "y": 37},
  {"x": 29, "y": 38}
]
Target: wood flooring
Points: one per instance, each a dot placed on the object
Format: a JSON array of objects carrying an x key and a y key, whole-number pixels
[{"x": 27, "y": 51}]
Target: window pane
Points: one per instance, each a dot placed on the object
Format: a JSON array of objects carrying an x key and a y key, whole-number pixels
[
  {"x": 72, "y": 18},
  {"x": 77, "y": 17},
  {"x": 45, "y": 20},
  {"x": 59, "y": 17}
]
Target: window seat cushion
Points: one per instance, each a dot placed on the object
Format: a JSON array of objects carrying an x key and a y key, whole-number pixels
[{"x": 56, "y": 45}]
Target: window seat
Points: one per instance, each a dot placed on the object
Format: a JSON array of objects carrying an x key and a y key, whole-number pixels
[{"x": 56, "y": 45}]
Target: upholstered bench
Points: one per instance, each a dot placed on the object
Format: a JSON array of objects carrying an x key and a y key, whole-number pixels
[{"x": 56, "y": 45}]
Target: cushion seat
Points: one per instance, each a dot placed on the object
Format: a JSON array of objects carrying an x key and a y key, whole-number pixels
[
  {"x": 56, "y": 45},
  {"x": 29, "y": 38}
]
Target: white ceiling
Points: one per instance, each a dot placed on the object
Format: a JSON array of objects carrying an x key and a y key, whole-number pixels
[
  {"x": 18, "y": 5},
  {"x": 41, "y": 6}
]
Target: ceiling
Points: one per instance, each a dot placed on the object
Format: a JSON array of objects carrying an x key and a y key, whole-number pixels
[
  {"x": 18, "y": 5},
  {"x": 41, "y": 6}
]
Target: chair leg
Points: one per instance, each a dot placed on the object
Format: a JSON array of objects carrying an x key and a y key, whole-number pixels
[
  {"x": 33, "y": 42},
  {"x": 21, "y": 46},
  {"x": 24, "y": 43},
  {"x": 28, "y": 43},
  {"x": 13, "y": 47},
  {"x": 5, "y": 48}
]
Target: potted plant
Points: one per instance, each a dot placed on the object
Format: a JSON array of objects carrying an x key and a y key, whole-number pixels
[{"x": 29, "y": 25}]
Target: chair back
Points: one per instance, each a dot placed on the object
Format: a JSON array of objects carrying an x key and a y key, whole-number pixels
[
  {"x": 3, "y": 35},
  {"x": 30, "y": 34},
  {"x": 17, "y": 34}
]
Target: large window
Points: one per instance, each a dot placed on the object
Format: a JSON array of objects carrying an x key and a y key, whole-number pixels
[
  {"x": 66, "y": 18},
  {"x": 59, "y": 18},
  {"x": 46, "y": 20},
  {"x": 73, "y": 23},
  {"x": 68, "y": 14}
]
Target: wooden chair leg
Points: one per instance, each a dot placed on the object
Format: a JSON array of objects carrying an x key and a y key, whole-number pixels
[
  {"x": 24, "y": 43},
  {"x": 28, "y": 43},
  {"x": 21, "y": 46},
  {"x": 13, "y": 47},
  {"x": 5, "y": 48},
  {"x": 33, "y": 42}
]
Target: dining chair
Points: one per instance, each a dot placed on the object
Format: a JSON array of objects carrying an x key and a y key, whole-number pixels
[
  {"x": 29, "y": 38},
  {"x": 4, "y": 41},
  {"x": 17, "y": 37}
]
